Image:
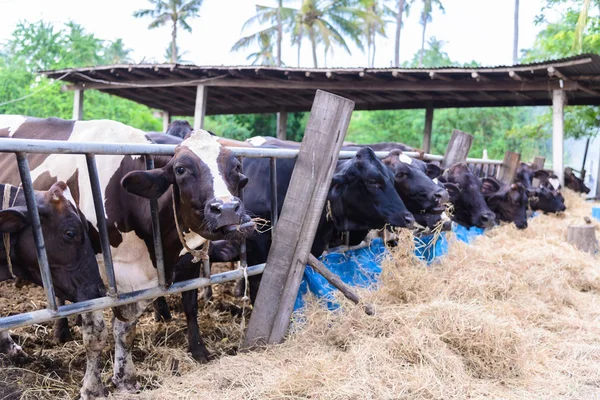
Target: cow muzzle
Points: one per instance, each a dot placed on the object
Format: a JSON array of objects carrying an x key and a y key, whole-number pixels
[{"x": 227, "y": 217}]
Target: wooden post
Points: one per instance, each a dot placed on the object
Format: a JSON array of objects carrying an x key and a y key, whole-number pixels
[
  {"x": 583, "y": 237},
  {"x": 166, "y": 120},
  {"x": 558, "y": 132},
  {"x": 200, "y": 110},
  {"x": 458, "y": 148},
  {"x": 428, "y": 128},
  {"x": 337, "y": 282},
  {"x": 538, "y": 163},
  {"x": 508, "y": 170},
  {"x": 282, "y": 125},
  {"x": 299, "y": 218},
  {"x": 78, "y": 105}
]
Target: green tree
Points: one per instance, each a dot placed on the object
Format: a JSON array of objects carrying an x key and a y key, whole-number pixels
[
  {"x": 369, "y": 17},
  {"x": 173, "y": 12},
  {"x": 425, "y": 19},
  {"x": 402, "y": 7},
  {"x": 117, "y": 53}
]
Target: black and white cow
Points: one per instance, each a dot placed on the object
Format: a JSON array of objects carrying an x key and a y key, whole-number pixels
[
  {"x": 201, "y": 180},
  {"x": 71, "y": 258}
]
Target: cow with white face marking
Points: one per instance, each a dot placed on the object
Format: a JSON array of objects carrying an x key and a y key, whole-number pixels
[
  {"x": 71, "y": 258},
  {"x": 198, "y": 186}
]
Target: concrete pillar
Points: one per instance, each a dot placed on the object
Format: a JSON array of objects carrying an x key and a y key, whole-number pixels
[
  {"x": 78, "y": 105},
  {"x": 428, "y": 128},
  {"x": 200, "y": 110},
  {"x": 166, "y": 120},
  {"x": 558, "y": 133},
  {"x": 282, "y": 125}
]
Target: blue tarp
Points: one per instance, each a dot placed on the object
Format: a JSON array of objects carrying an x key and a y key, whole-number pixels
[
  {"x": 596, "y": 212},
  {"x": 362, "y": 267}
]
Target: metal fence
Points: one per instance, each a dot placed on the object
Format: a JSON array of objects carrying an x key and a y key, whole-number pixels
[{"x": 23, "y": 146}]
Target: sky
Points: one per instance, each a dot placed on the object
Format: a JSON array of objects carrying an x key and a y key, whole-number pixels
[{"x": 480, "y": 30}]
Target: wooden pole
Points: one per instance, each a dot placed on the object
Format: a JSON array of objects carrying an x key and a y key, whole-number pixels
[
  {"x": 583, "y": 237},
  {"x": 338, "y": 283},
  {"x": 508, "y": 170},
  {"x": 166, "y": 120},
  {"x": 458, "y": 148},
  {"x": 78, "y": 105},
  {"x": 538, "y": 163},
  {"x": 299, "y": 218},
  {"x": 428, "y": 128},
  {"x": 200, "y": 110},
  {"x": 282, "y": 125},
  {"x": 558, "y": 132}
]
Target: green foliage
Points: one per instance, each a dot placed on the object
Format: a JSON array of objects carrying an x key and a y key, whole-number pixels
[{"x": 40, "y": 45}]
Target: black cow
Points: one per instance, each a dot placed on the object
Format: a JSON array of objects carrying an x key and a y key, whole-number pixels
[
  {"x": 508, "y": 202},
  {"x": 575, "y": 183},
  {"x": 179, "y": 128},
  {"x": 464, "y": 188},
  {"x": 546, "y": 197}
]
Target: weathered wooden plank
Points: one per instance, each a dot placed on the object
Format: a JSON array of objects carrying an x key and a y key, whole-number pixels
[
  {"x": 538, "y": 163},
  {"x": 166, "y": 120},
  {"x": 428, "y": 128},
  {"x": 458, "y": 148},
  {"x": 508, "y": 170},
  {"x": 282, "y": 125},
  {"x": 296, "y": 228}
]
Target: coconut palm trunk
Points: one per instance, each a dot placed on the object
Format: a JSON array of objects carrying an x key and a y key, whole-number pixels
[
  {"x": 313, "y": 43},
  {"x": 516, "y": 34},
  {"x": 398, "y": 29},
  {"x": 422, "y": 43},
  {"x": 279, "y": 33},
  {"x": 174, "y": 42}
]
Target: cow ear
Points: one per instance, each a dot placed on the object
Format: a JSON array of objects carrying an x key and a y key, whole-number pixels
[
  {"x": 13, "y": 219},
  {"x": 149, "y": 184},
  {"x": 541, "y": 174},
  {"x": 453, "y": 189},
  {"x": 489, "y": 186},
  {"x": 339, "y": 179},
  {"x": 433, "y": 171}
]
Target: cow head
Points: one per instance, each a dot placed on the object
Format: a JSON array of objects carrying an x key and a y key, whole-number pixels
[
  {"x": 464, "y": 188},
  {"x": 575, "y": 183},
  {"x": 413, "y": 182},
  {"x": 70, "y": 253},
  {"x": 362, "y": 195},
  {"x": 525, "y": 175},
  {"x": 508, "y": 202},
  {"x": 179, "y": 128},
  {"x": 206, "y": 178},
  {"x": 547, "y": 199}
]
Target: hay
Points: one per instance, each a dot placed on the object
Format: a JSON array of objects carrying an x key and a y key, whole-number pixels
[{"x": 513, "y": 315}]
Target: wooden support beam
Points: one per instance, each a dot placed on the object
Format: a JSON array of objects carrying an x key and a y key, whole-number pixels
[
  {"x": 586, "y": 89},
  {"x": 458, "y": 148},
  {"x": 78, "y": 105},
  {"x": 478, "y": 77},
  {"x": 166, "y": 120},
  {"x": 516, "y": 76},
  {"x": 555, "y": 72},
  {"x": 442, "y": 77},
  {"x": 558, "y": 133},
  {"x": 428, "y": 128},
  {"x": 200, "y": 108},
  {"x": 508, "y": 170},
  {"x": 297, "y": 225},
  {"x": 538, "y": 162},
  {"x": 406, "y": 77},
  {"x": 338, "y": 283},
  {"x": 282, "y": 125}
]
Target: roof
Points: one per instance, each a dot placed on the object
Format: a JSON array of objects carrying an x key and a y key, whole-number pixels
[{"x": 261, "y": 89}]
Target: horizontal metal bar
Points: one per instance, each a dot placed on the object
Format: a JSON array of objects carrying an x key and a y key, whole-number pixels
[
  {"x": 40, "y": 316},
  {"x": 65, "y": 147}
]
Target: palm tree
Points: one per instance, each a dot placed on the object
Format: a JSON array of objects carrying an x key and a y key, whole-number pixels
[
  {"x": 425, "y": 18},
  {"x": 276, "y": 17},
  {"x": 327, "y": 22},
  {"x": 403, "y": 7},
  {"x": 370, "y": 20},
  {"x": 180, "y": 55},
  {"x": 516, "y": 34},
  {"x": 175, "y": 12},
  {"x": 116, "y": 53},
  {"x": 580, "y": 27},
  {"x": 264, "y": 39}
]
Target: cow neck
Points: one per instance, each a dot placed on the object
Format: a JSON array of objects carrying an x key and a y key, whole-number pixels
[
  {"x": 198, "y": 254},
  {"x": 6, "y": 236}
]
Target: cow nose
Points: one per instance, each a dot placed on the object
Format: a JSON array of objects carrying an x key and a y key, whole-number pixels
[
  {"x": 487, "y": 219},
  {"x": 441, "y": 196},
  {"x": 521, "y": 225},
  {"x": 224, "y": 213},
  {"x": 409, "y": 219}
]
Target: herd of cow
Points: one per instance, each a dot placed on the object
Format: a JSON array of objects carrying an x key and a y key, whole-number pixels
[{"x": 197, "y": 190}]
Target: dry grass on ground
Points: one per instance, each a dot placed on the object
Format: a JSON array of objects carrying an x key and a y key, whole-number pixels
[{"x": 514, "y": 315}]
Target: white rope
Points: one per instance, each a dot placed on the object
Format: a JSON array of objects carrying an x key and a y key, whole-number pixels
[
  {"x": 37, "y": 91},
  {"x": 199, "y": 254},
  {"x": 6, "y": 236}
]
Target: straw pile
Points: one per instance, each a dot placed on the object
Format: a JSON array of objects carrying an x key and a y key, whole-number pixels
[{"x": 514, "y": 315}]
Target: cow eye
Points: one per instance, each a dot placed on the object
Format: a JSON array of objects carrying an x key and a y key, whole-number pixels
[
  {"x": 401, "y": 175},
  {"x": 179, "y": 170},
  {"x": 71, "y": 234},
  {"x": 372, "y": 182}
]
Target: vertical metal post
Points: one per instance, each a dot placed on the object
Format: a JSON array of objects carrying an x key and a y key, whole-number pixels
[
  {"x": 156, "y": 234},
  {"x": 274, "y": 205},
  {"x": 101, "y": 222},
  {"x": 36, "y": 224},
  {"x": 558, "y": 133}
]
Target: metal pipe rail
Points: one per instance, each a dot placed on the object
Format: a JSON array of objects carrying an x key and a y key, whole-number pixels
[{"x": 22, "y": 146}]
